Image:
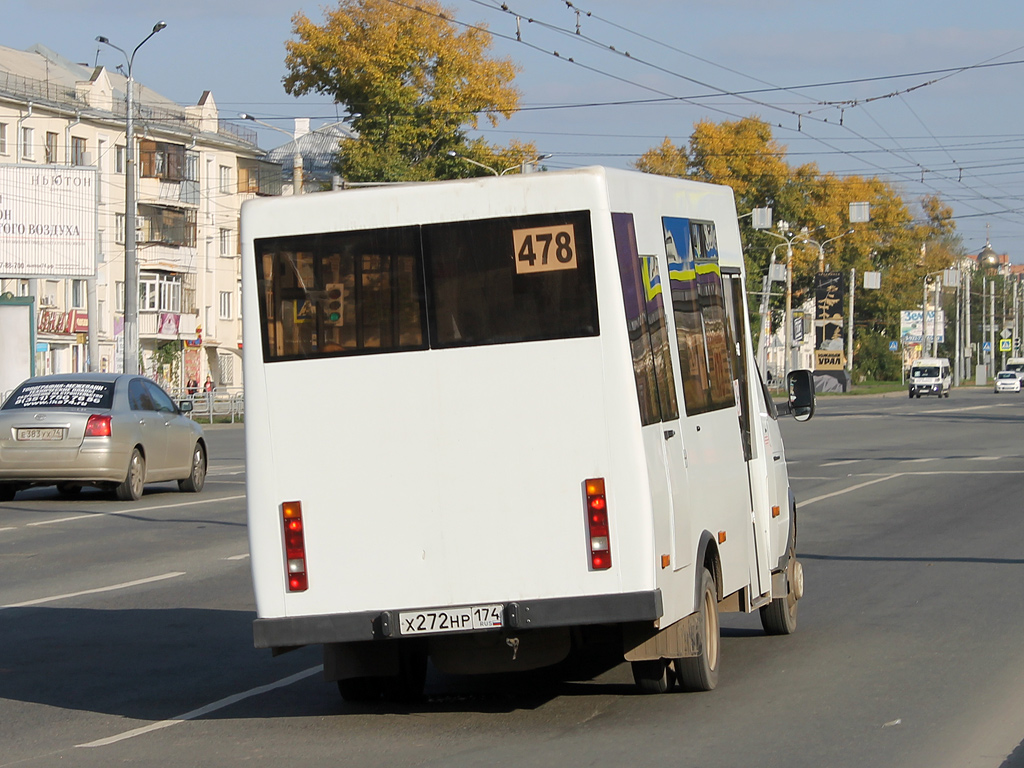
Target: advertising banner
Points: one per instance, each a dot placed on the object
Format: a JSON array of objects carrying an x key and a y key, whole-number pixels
[
  {"x": 912, "y": 329},
  {"x": 48, "y": 219},
  {"x": 829, "y": 294}
]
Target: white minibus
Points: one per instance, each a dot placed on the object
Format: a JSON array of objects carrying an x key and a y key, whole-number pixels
[
  {"x": 493, "y": 421},
  {"x": 930, "y": 376}
]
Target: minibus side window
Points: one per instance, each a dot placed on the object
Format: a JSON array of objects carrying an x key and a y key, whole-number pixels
[
  {"x": 703, "y": 333},
  {"x": 645, "y": 324}
]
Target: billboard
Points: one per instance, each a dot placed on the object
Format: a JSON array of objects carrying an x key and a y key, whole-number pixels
[
  {"x": 911, "y": 329},
  {"x": 829, "y": 294},
  {"x": 48, "y": 219}
]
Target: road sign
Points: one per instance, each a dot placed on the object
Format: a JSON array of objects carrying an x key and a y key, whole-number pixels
[
  {"x": 1005, "y": 345},
  {"x": 893, "y": 346},
  {"x": 987, "y": 346}
]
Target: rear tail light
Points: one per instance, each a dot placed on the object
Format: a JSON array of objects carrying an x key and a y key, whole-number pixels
[
  {"x": 597, "y": 526},
  {"x": 98, "y": 426},
  {"x": 294, "y": 546}
]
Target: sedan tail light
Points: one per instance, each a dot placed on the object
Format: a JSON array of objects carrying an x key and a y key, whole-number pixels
[{"x": 98, "y": 426}]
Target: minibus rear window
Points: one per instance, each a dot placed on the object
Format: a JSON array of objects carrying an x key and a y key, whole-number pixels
[
  {"x": 454, "y": 284},
  {"x": 495, "y": 281}
]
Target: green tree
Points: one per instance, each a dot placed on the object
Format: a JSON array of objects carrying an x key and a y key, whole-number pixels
[{"x": 413, "y": 82}]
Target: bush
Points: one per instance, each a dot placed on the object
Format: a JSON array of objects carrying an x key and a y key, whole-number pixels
[{"x": 873, "y": 361}]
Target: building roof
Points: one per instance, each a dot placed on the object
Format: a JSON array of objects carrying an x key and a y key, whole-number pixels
[
  {"x": 43, "y": 77},
  {"x": 318, "y": 147}
]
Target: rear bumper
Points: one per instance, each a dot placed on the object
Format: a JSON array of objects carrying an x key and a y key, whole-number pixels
[
  {"x": 85, "y": 464},
  {"x": 519, "y": 615}
]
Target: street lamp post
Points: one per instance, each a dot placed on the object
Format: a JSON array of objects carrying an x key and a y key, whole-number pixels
[
  {"x": 521, "y": 166},
  {"x": 821, "y": 247},
  {"x": 801, "y": 235},
  {"x": 131, "y": 272},
  {"x": 296, "y": 154}
]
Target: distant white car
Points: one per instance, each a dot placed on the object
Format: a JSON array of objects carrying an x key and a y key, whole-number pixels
[{"x": 1007, "y": 381}]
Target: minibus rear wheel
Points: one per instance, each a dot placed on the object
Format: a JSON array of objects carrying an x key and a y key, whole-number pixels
[{"x": 700, "y": 673}]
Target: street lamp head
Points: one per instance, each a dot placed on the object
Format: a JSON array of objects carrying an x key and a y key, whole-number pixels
[
  {"x": 158, "y": 26},
  {"x": 246, "y": 116},
  {"x": 102, "y": 39},
  {"x": 452, "y": 153}
]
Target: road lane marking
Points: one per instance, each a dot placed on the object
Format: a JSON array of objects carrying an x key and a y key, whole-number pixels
[
  {"x": 125, "y": 585},
  {"x": 221, "y": 704},
  {"x": 962, "y": 410},
  {"x": 841, "y": 463},
  {"x": 100, "y": 515},
  {"x": 806, "y": 502},
  {"x": 920, "y": 461},
  {"x": 237, "y": 557}
]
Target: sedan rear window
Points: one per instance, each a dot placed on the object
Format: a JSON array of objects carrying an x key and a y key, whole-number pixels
[{"x": 62, "y": 394}]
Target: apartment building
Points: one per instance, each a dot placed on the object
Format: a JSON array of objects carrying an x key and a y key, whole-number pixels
[{"x": 62, "y": 219}]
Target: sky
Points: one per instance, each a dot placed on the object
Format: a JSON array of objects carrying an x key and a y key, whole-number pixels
[{"x": 927, "y": 96}]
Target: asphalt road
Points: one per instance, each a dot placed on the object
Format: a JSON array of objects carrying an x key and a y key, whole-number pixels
[{"x": 125, "y": 629}]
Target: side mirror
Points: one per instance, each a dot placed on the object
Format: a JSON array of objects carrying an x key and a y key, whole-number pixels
[
  {"x": 185, "y": 406},
  {"x": 801, "y": 394}
]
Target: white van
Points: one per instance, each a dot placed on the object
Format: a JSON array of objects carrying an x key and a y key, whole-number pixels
[
  {"x": 930, "y": 376},
  {"x": 493, "y": 419}
]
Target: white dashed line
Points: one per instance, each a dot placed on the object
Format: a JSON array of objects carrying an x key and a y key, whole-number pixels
[
  {"x": 125, "y": 585},
  {"x": 225, "y": 702}
]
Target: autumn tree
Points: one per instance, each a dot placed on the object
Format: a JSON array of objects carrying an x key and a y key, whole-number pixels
[
  {"x": 744, "y": 155},
  {"x": 414, "y": 84}
]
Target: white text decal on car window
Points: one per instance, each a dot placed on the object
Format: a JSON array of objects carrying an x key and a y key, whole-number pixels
[{"x": 75, "y": 394}]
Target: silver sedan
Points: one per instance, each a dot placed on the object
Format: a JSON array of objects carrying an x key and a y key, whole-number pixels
[{"x": 109, "y": 430}]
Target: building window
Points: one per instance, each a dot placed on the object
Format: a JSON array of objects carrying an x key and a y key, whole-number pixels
[
  {"x": 225, "y": 305},
  {"x": 119, "y": 228},
  {"x": 161, "y": 160},
  {"x": 225, "y": 178},
  {"x": 78, "y": 154},
  {"x": 119, "y": 296},
  {"x": 167, "y": 226},
  {"x": 119, "y": 159},
  {"x": 225, "y": 243},
  {"x": 226, "y": 369},
  {"x": 51, "y": 147},
  {"x": 27, "y": 148},
  {"x": 78, "y": 294},
  {"x": 159, "y": 292},
  {"x": 3, "y": 138}
]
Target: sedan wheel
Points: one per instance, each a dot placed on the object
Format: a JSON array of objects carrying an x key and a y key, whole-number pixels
[
  {"x": 197, "y": 477},
  {"x": 131, "y": 488}
]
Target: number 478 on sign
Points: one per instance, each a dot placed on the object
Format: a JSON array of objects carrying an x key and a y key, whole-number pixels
[{"x": 544, "y": 249}]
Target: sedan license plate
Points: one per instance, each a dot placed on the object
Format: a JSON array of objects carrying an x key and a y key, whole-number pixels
[
  {"x": 436, "y": 620},
  {"x": 47, "y": 433}
]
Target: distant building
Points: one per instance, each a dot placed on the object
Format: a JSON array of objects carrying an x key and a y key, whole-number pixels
[
  {"x": 318, "y": 149},
  {"x": 62, "y": 217}
]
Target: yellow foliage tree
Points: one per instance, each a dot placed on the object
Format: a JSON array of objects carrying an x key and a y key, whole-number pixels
[
  {"x": 413, "y": 82},
  {"x": 744, "y": 155}
]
